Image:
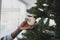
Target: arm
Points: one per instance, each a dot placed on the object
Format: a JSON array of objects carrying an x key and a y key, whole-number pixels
[
  {"x": 15, "y": 33},
  {"x": 12, "y": 35},
  {"x": 23, "y": 26}
]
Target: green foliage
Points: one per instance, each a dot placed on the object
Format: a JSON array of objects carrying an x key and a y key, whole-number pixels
[{"x": 42, "y": 9}]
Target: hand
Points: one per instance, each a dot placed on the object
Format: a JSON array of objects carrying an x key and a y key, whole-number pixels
[{"x": 25, "y": 25}]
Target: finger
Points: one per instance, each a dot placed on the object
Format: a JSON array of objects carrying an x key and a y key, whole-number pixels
[
  {"x": 30, "y": 27},
  {"x": 25, "y": 27}
]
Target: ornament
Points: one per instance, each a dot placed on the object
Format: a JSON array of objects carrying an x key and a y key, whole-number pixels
[{"x": 31, "y": 20}]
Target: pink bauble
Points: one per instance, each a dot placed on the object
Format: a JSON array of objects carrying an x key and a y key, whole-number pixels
[{"x": 31, "y": 20}]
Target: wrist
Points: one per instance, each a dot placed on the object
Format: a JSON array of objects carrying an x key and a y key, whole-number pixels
[
  {"x": 19, "y": 29},
  {"x": 15, "y": 33}
]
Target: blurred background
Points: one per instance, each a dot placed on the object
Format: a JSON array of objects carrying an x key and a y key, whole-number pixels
[{"x": 12, "y": 13}]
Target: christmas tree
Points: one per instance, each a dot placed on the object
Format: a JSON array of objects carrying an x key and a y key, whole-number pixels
[{"x": 44, "y": 9}]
